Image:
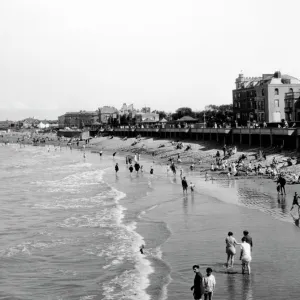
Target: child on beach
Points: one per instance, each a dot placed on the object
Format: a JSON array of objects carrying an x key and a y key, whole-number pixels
[
  {"x": 180, "y": 172},
  {"x": 192, "y": 187},
  {"x": 209, "y": 283},
  {"x": 131, "y": 168},
  {"x": 206, "y": 176},
  {"x": 151, "y": 170}
]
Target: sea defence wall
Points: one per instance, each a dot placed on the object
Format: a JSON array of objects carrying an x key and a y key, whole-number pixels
[
  {"x": 83, "y": 135},
  {"x": 262, "y": 137}
]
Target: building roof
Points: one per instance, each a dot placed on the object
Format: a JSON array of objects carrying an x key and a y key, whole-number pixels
[
  {"x": 187, "y": 119},
  {"x": 108, "y": 110},
  {"x": 81, "y": 112},
  {"x": 148, "y": 120},
  {"x": 276, "y": 78},
  {"x": 163, "y": 120}
]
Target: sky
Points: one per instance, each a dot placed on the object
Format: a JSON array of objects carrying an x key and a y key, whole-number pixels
[{"x": 69, "y": 55}]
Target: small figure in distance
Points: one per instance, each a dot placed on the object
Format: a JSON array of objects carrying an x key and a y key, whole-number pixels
[
  {"x": 192, "y": 187},
  {"x": 295, "y": 202},
  {"x": 131, "y": 168},
  {"x": 206, "y": 176},
  {"x": 184, "y": 185},
  {"x": 142, "y": 249},
  {"x": 151, "y": 170},
  {"x": 209, "y": 284},
  {"x": 114, "y": 154},
  {"x": 117, "y": 168}
]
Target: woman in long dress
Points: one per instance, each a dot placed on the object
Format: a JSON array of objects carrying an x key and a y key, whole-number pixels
[{"x": 230, "y": 248}]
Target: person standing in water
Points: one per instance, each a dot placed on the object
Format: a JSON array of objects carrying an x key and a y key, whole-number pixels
[
  {"x": 100, "y": 153},
  {"x": 245, "y": 256},
  {"x": 248, "y": 238},
  {"x": 209, "y": 284},
  {"x": 116, "y": 168},
  {"x": 197, "y": 288},
  {"x": 184, "y": 185},
  {"x": 230, "y": 248}
]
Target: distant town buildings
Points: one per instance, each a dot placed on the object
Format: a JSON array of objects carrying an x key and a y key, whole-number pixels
[
  {"x": 107, "y": 114},
  {"x": 146, "y": 117},
  {"x": 127, "y": 109},
  {"x": 78, "y": 119},
  {"x": 269, "y": 98}
]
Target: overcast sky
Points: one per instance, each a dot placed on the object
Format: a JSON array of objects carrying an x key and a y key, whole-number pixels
[{"x": 68, "y": 55}]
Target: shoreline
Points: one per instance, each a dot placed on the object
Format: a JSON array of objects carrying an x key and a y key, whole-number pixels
[{"x": 193, "y": 174}]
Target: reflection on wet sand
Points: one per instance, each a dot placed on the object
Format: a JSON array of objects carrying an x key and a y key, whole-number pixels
[{"x": 239, "y": 291}]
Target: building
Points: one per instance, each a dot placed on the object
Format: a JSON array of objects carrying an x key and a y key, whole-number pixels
[
  {"x": 108, "y": 114},
  {"x": 79, "y": 119},
  {"x": 61, "y": 122},
  {"x": 262, "y": 98},
  {"x": 127, "y": 109},
  {"x": 146, "y": 110},
  {"x": 141, "y": 117},
  {"x": 292, "y": 106}
]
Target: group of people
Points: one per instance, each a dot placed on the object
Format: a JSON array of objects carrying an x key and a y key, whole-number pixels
[{"x": 205, "y": 285}]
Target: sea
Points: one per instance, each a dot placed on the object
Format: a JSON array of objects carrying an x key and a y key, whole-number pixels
[{"x": 70, "y": 228}]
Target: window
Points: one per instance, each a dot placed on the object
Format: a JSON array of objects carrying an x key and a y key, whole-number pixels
[
  {"x": 276, "y": 103},
  {"x": 262, "y": 92},
  {"x": 276, "y": 92}
]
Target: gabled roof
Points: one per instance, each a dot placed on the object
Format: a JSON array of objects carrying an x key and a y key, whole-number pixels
[
  {"x": 187, "y": 119},
  {"x": 163, "y": 120}
]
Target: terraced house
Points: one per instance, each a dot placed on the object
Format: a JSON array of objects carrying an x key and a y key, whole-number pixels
[{"x": 265, "y": 98}]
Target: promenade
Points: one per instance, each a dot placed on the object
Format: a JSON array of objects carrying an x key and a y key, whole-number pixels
[{"x": 262, "y": 137}]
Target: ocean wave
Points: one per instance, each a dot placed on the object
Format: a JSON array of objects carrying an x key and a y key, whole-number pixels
[
  {"x": 73, "y": 182},
  {"x": 131, "y": 284}
]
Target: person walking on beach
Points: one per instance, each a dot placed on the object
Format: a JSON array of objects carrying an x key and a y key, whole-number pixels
[
  {"x": 248, "y": 238},
  {"x": 224, "y": 149},
  {"x": 117, "y": 168},
  {"x": 245, "y": 256},
  {"x": 209, "y": 284},
  {"x": 100, "y": 153},
  {"x": 230, "y": 248},
  {"x": 131, "y": 168},
  {"x": 295, "y": 202},
  {"x": 282, "y": 183},
  {"x": 114, "y": 154},
  {"x": 184, "y": 185},
  {"x": 192, "y": 187},
  {"x": 197, "y": 288},
  {"x": 151, "y": 170}
]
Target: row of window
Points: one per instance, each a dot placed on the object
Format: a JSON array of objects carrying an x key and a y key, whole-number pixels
[{"x": 253, "y": 93}]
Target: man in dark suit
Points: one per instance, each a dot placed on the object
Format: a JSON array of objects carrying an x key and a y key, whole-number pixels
[{"x": 197, "y": 288}]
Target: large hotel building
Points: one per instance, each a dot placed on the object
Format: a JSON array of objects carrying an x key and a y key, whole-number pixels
[{"x": 269, "y": 98}]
